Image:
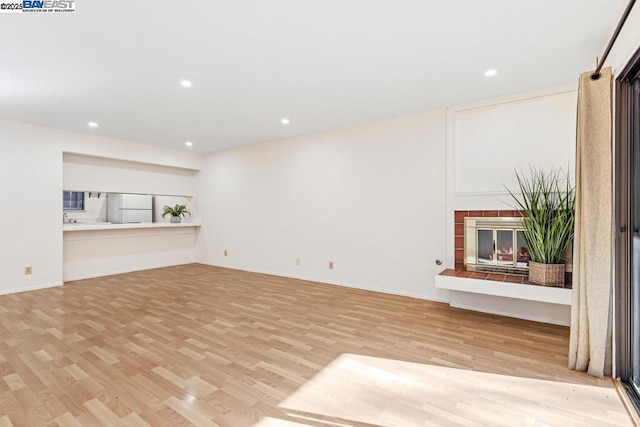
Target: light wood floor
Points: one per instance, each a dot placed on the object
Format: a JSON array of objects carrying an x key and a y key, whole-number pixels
[{"x": 200, "y": 345}]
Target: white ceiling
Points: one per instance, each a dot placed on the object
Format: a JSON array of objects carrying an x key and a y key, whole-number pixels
[{"x": 322, "y": 63}]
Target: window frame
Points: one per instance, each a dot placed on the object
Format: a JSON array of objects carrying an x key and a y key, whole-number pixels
[
  {"x": 66, "y": 203},
  {"x": 627, "y": 143}
]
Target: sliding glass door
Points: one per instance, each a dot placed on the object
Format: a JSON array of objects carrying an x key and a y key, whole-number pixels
[
  {"x": 627, "y": 203},
  {"x": 634, "y": 294}
]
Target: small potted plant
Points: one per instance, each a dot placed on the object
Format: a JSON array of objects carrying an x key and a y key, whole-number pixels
[
  {"x": 177, "y": 212},
  {"x": 547, "y": 202}
]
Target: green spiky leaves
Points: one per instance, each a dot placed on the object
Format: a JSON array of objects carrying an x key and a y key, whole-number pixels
[
  {"x": 547, "y": 201},
  {"x": 177, "y": 210}
]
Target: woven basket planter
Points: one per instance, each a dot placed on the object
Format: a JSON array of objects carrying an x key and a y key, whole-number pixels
[{"x": 546, "y": 274}]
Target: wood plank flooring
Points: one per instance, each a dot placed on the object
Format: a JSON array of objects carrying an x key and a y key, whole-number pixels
[{"x": 208, "y": 346}]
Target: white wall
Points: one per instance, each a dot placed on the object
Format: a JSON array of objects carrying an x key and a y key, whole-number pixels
[
  {"x": 90, "y": 173},
  {"x": 32, "y": 184},
  {"x": 373, "y": 199},
  {"x": 488, "y": 140},
  {"x": 30, "y": 211},
  {"x": 102, "y": 253},
  {"x": 370, "y": 198}
]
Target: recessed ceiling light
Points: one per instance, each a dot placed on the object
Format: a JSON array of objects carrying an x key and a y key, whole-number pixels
[
  {"x": 285, "y": 121},
  {"x": 490, "y": 73},
  {"x": 189, "y": 144},
  {"x": 92, "y": 124},
  {"x": 185, "y": 83}
]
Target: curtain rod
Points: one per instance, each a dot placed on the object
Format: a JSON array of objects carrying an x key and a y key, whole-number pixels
[{"x": 625, "y": 15}]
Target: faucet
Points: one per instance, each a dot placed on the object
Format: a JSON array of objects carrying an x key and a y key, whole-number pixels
[{"x": 65, "y": 218}]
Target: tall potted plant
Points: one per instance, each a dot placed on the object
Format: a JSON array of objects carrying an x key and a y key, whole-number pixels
[{"x": 547, "y": 202}]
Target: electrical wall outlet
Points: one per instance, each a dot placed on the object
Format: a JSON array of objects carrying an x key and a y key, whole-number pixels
[
  {"x": 330, "y": 265},
  {"x": 28, "y": 270},
  {"x": 297, "y": 261},
  {"x": 225, "y": 252}
]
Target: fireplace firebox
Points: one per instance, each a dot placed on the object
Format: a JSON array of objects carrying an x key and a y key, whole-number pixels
[{"x": 495, "y": 245}]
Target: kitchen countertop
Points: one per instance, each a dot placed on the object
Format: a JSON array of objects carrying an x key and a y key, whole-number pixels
[{"x": 88, "y": 226}]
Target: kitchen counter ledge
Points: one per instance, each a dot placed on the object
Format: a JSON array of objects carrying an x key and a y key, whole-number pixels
[{"x": 103, "y": 227}]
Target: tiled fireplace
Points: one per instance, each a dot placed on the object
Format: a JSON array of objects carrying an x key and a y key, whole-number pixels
[
  {"x": 495, "y": 245},
  {"x": 498, "y": 261},
  {"x": 502, "y": 292},
  {"x": 493, "y": 260}
]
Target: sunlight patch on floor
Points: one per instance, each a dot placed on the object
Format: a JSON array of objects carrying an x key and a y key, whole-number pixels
[
  {"x": 385, "y": 392},
  {"x": 275, "y": 422}
]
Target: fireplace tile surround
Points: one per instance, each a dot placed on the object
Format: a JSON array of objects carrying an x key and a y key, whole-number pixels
[
  {"x": 495, "y": 277},
  {"x": 459, "y": 270},
  {"x": 459, "y": 230}
]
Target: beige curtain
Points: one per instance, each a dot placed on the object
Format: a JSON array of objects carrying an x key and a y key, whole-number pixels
[{"x": 590, "y": 342}]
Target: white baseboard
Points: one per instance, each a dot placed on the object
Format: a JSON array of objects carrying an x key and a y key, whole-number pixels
[
  {"x": 331, "y": 282},
  {"x": 30, "y": 288},
  {"x": 560, "y": 314},
  {"x": 122, "y": 271}
]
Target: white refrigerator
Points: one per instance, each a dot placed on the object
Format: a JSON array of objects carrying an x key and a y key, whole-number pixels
[{"x": 129, "y": 208}]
